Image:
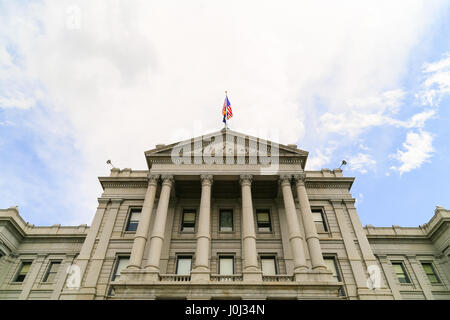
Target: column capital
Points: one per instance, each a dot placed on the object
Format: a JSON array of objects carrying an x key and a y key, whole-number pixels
[
  {"x": 167, "y": 179},
  {"x": 246, "y": 179},
  {"x": 285, "y": 179},
  {"x": 207, "y": 179},
  {"x": 153, "y": 179},
  {"x": 300, "y": 178}
]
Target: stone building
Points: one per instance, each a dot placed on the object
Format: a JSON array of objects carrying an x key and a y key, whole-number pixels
[{"x": 224, "y": 216}]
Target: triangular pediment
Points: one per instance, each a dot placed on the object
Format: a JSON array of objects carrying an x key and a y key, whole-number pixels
[{"x": 232, "y": 146}]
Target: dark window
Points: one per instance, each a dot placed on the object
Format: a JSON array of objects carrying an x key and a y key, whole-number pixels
[
  {"x": 184, "y": 264},
  {"x": 319, "y": 220},
  {"x": 188, "y": 222},
  {"x": 52, "y": 270},
  {"x": 24, "y": 269},
  {"x": 133, "y": 220},
  {"x": 268, "y": 265},
  {"x": 431, "y": 273},
  {"x": 332, "y": 265},
  {"x": 122, "y": 263},
  {"x": 226, "y": 265},
  {"x": 401, "y": 272},
  {"x": 226, "y": 220},
  {"x": 263, "y": 220}
]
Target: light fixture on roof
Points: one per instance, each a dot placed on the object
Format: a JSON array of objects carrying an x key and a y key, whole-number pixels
[
  {"x": 343, "y": 163},
  {"x": 110, "y": 163}
]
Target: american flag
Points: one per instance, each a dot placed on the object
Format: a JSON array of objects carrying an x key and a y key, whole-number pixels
[{"x": 226, "y": 110}]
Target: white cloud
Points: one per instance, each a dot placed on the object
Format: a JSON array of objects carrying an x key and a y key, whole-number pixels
[
  {"x": 437, "y": 83},
  {"x": 127, "y": 75},
  {"x": 319, "y": 158},
  {"x": 361, "y": 162},
  {"x": 418, "y": 149}
]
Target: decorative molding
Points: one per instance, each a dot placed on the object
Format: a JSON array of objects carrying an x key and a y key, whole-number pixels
[
  {"x": 300, "y": 179},
  {"x": 153, "y": 179},
  {"x": 246, "y": 179},
  {"x": 207, "y": 179},
  {"x": 327, "y": 185},
  {"x": 167, "y": 179},
  {"x": 285, "y": 179},
  {"x": 125, "y": 184}
]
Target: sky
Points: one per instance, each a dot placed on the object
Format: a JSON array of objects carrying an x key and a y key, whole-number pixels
[{"x": 82, "y": 82}]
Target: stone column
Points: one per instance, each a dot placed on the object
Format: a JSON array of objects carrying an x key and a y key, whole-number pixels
[
  {"x": 251, "y": 271},
  {"x": 201, "y": 270},
  {"x": 295, "y": 236},
  {"x": 140, "y": 238},
  {"x": 312, "y": 239},
  {"x": 157, "y": 237}
]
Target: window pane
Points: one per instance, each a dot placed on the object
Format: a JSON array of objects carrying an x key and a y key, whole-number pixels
[
  {"x": 317, "y": 216},
  {"x": 189, "y": 217},
  {"x": 226, "y": 266},
  {"x": 226, "y": 220},
  {"x": 54, "y": 266},
  {"x": 263, "y": 217},
  {"x": 268, "y": 266},
  {"x": 398, "y": 268},
  {"x": 122, "y": 264},
  {"x": 25, "y": 268},
  {"x": 184, "y": 266},
  {"x": 401, "y": 273},
  {"x": 135, "y": 215},
  {"x": 429, "y": 270},
  {"x": 329, "y": 262}
]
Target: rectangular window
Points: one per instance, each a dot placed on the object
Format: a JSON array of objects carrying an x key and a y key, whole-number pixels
[
  {"x": 330, "y": 262},
  {"x": 121, "y": 264},
  {"x": 319, "y": 220},
  {"x": 188, "y": 221},
  {"x": 400, "y": 272},
  {"x": 268, "y": 266},
  {"x": 226, "y": 265},
  {"x": 226, "y": 220},
  {"x": 24, "y": 269},
  {"x": 133, "y": 220},
  {"x": 431, "y": 274},
  {"x": 184, "y": 265},
  {"x": 52, "y": 270},
  {"x": 263, "y": 220},
  {"x": 332, "y": 265}
]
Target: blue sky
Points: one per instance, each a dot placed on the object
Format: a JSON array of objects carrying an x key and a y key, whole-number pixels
[{"x": 84, "y": 82}]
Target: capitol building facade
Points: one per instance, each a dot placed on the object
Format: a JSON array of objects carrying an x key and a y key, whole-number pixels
[{"x": 225, "y": 216}]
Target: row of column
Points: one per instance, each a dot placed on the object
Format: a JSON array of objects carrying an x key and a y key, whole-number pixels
[{"x": 251, "y": 270}]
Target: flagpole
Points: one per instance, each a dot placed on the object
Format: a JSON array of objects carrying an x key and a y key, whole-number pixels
[{"x": 226, "y": 124}]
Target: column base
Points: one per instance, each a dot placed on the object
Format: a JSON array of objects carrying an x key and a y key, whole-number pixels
[
  {"x": 200, "y": 275},
  {"x": 252, "y": 276},
  {"x": 139, "y": 275},
  {"x": 316, "y": 275},
  {"x": 78, "y": 294}
]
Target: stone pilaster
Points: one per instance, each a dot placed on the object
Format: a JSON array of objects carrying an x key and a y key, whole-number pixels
[
  {"x": 86, "y": 250},
  {"x": 201, "y": 270},
  {"x": 251, "y": 271},
  {"x": 140, "y": 239},
  {"x": 157, "y": 236},
  {"x": 98, "y": 258},
  {"x": 421, "y": 276}
]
